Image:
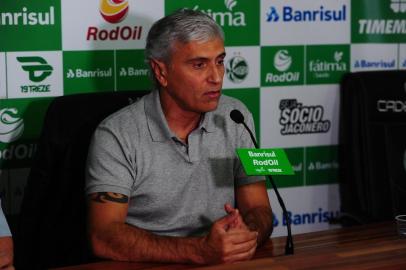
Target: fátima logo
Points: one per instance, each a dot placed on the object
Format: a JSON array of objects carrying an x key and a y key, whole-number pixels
[
  {"x": 398, "y": 6},
  {"x": 37, "y": 67},
  {"x": 11, "y": 126},
  {"x": 321, "y": 68},
  {"x": 227, "y": 18},
  {"x": 293, "y": 14},
  {"x": 230, "y": 4},
  {"x": 237, "y": 69},
  {"x": 114, "y": 11},
  {"x": 297, "y": 118}
]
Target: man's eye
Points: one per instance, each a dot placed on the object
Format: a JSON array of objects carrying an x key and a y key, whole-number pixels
[
  {"x": 220, "y": 62},
  {"x": 198, "y": 65}
]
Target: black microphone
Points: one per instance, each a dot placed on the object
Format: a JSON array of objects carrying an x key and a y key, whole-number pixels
[{"x": 237, "y": 117}]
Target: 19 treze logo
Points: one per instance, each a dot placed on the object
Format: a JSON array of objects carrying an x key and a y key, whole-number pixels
[
  {"x": 296, "y": 118},
  {"x": 38, "y": 70}
]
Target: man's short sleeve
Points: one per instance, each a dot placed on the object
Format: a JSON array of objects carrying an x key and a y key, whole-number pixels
[{"x": 109, "y": 163}]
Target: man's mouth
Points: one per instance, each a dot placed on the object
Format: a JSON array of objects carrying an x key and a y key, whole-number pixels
[{"x": 213, "y": 94}]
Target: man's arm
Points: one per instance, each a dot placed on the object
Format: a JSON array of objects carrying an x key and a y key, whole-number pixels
[
  {"x": 6, "y": 253},
  {"x": 112, "y": 238},
  {"x": 253, "y": 204}
]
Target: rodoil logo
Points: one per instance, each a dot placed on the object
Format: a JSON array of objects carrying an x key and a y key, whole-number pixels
[
  {"x": 282, "y": 62},
  {"x": 114, "y": 11},
  {"x": 297, "y": 118},
  {"x": 282, "y": 65},
  {"x": 11, "y": 126}
]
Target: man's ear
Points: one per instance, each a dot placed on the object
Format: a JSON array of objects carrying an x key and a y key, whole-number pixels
[{"x": 159, "y": 70}]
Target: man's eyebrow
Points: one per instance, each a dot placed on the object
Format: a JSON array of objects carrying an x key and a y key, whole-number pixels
[{"x": 202, "y": 58}]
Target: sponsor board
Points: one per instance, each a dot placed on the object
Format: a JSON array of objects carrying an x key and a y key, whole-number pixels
[
  {"x": 297, "y": 116},
  {"x": 402, "y": 56},
  {"x": 250, "y": 97},
  {"x": 108, "y": 24},
  {"x": 34, "y": 74},
  {"x": 241, "y": 67},
  {"x": 314, "y": 165},
  {"x": 282, "y": 65},
  {"x": 384, "y": 23},
  {"x": 20, "y": 125},
  {"x": 326, "y": 64},
  {"x": 238, "y": 18},
  {"x": 321, "y": 164},
  {"x": 36, "y": 21},
  {"x": 306, "y": 215},
  {"x": 132, "y": 71},
  {"x": 289, "y": 22},
  {"x": 3, "y": 76},
  {"x": 367, "y": 57},
  {"x": 88, "y": 71}
]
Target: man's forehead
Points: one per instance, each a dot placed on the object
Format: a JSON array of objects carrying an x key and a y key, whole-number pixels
[{"x": 204, "y": 49}]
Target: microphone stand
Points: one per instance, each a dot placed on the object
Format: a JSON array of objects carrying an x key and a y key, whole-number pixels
[{"x": 289, "y": 248}]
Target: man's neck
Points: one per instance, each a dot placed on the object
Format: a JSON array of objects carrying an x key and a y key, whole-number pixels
[{"x": 180, "y": 121}]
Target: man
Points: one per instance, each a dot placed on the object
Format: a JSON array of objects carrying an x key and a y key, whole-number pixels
[
  {"x": 6, "y": 244},
  {"x": 163, "y": 177}
]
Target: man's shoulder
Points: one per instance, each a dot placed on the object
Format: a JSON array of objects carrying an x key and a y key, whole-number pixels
[{"x": 128, "y": 115}]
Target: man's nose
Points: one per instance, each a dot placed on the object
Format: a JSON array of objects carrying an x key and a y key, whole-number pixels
[{"x": 216, "y": 74}]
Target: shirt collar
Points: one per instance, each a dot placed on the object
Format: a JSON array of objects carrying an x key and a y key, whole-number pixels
[{"x": 157, "y": 124}]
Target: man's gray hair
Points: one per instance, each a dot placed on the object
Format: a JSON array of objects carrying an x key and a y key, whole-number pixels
[{"x": 184, "y": 25}]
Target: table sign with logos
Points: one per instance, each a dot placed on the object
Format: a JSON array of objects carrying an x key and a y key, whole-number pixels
[{"x": 265, "y": 161}]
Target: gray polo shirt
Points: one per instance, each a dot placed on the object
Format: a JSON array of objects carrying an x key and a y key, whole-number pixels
[{"x": 174, "y": 188}]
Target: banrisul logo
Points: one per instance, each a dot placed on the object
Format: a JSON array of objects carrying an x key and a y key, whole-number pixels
[
  {"x": 327, "y": 63},
  {"x": 38, "y": 70},
  {"x": 82, "y": 73},
  {"x": 26, "y": 16},
  {"x": 387, "y": 25},
  {"x": 282, "y": 65},
  {"x": 238, "y": 18},
  {"x": 11, "y": 125},
  {"x": 88, "y": 71},
  {"x": 296, "y": 118},
  {"x": 294, "y": 14},
  {"x": 237, "y": 69},
  {"x": 114, "y": 11}
]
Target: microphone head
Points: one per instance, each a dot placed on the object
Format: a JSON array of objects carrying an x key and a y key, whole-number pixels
[{"x": 237, "y": 116}]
